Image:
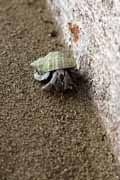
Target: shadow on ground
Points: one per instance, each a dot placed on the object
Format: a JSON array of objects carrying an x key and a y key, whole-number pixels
[{"x": 43, "y": 136}]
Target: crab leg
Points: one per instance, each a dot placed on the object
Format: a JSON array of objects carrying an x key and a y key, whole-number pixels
[
  {"x": 68, "y": 83},
  {"x": 59, "y": 81},
  {"x": 76, "y": 77},
  {"x": 74, "y": 74}
]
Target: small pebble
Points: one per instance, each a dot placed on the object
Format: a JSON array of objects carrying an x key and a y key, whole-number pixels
[
  {"x": 30, "y": 2},
  {"x": 53, "y": 34}
]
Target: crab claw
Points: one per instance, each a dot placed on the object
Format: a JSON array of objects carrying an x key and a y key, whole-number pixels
[
  {"x": 51, "y": 83},
  {"x": 41, "y": 77},
  {"x": 56, "y": 82}
]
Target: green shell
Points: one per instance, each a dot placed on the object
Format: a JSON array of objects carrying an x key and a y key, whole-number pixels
[{"x": 53, "y": 61}]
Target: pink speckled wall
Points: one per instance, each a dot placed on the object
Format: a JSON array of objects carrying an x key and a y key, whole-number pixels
[{"x": 92, "y": 30}]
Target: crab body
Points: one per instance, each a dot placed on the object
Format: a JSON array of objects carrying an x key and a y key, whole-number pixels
[{"x": 55, "y": 68}]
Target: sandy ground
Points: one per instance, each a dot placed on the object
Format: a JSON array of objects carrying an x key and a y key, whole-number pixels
[{"x": 43, "y": 136}]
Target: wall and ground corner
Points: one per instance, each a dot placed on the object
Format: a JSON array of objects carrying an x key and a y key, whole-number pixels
[{"x": 92, "y": 30}]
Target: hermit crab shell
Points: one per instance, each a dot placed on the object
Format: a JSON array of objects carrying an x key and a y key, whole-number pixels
[{"x": 54, "y": 61}]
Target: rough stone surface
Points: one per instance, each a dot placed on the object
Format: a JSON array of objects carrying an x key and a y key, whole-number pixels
[{"x": 92, "y": 30}]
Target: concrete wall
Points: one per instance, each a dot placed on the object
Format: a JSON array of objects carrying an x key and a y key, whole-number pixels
[{"x": 92, "y": 29}]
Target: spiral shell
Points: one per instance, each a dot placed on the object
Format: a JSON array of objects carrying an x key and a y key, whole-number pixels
[{"x": 54, "y": 61}]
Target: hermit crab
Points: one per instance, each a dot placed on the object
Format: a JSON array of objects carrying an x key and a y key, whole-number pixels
[{"x": 57, "y": 70}]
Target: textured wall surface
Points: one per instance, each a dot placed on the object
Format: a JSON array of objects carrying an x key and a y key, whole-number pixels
[{"x": 92, "y": 29}]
